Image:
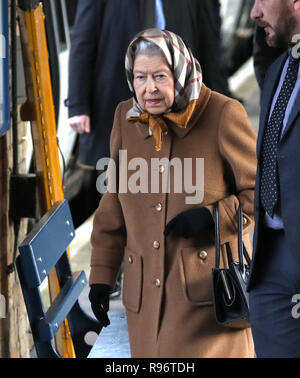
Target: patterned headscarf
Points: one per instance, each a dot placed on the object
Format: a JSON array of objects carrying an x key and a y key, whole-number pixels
[{"x": 187, "y": 81}]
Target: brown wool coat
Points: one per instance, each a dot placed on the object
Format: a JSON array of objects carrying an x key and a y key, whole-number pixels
[{"x": 167, "y": 287}]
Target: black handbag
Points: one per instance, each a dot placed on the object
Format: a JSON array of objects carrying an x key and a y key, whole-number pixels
[{"x": 231, "y": 299}]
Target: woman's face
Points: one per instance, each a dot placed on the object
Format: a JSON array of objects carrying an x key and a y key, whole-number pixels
[{"x": 153, "y": 83}]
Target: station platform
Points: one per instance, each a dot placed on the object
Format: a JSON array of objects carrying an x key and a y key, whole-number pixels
[{"x": 113, "y": 340}]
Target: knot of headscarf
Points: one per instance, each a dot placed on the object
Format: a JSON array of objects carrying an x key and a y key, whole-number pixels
[
  {"x": 158, "y": 125},
  {"x": 187, "y": 82}
]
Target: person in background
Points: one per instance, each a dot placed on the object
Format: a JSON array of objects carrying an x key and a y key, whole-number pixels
[
  {"x": 100, "y": 36},
  {"x": 274, "y": 278},
  {"x": 165, "y": 238}
]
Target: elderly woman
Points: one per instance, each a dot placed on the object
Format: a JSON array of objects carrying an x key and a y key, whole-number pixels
[{"x": 172, "y": 118}]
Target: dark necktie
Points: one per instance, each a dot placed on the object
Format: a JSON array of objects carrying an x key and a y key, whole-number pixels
[{"x": 269, "y": 189}]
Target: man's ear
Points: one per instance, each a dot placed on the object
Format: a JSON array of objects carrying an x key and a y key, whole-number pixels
[{"x": 297, "y": 5}]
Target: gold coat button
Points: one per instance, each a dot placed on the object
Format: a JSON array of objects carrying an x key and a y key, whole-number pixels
[
  {"x": 202, "y": 255},
  {"x": 157, "y": 282},
  {"x": 156, "y": 244},
  {"x": 130, "y": 259},
  {"x": 158, "y": 207},
  {"x": 161, "y": 169}
]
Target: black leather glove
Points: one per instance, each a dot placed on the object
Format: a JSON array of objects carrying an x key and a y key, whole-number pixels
[
  {"x": 190, "y": 223},
  {"x": 99, "y": 298}
]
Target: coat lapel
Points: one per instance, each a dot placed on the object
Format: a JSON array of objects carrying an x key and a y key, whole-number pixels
[
  {"x": 268, "y": 92},
  {"x": 292, "y": 117}
]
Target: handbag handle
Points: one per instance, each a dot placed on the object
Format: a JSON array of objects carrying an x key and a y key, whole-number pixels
[
  {"x": 241, "y": 246},
  {"x": 242, "y": 252},
  {"x": 216, "y": 215}
]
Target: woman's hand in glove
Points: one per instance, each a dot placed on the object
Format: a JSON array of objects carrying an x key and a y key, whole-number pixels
[
  {"x": 99, "y": 298},
  {"x": 190, "y": 223}
]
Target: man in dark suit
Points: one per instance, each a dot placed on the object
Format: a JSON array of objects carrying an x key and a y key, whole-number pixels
[
  {"x": 101, "y": 33},
  {"x": 275, "y": 274}
]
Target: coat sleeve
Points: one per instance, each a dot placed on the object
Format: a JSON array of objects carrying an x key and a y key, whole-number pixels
[
  {"x": 84, "y": 40},
  {"x": 237, "y": 145},
  {"x": 108, "y": 237}
]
